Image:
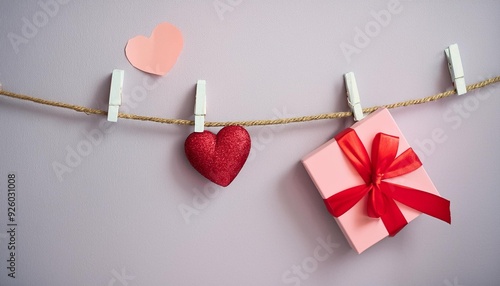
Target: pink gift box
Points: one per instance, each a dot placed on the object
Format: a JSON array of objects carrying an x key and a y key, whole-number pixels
[{"x": 331, "y": 172}]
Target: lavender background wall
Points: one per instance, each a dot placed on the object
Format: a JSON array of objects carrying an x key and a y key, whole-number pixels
[{"x": 117, "y": 218}]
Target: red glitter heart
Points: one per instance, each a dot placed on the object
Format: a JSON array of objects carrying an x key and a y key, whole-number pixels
[{"x": 218, "y": 157}]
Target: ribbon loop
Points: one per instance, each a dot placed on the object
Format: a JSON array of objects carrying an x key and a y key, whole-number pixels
[
  {"x": 384, "y": 150},
  {"x": 382, "y": 195},
  {"x": 355, "y": 153}
]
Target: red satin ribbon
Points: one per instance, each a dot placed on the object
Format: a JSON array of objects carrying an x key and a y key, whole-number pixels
[{"x": 382, "y": 195}]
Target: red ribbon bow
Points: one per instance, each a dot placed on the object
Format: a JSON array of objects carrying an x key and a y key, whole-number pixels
[{"x": 382, "y": 195}]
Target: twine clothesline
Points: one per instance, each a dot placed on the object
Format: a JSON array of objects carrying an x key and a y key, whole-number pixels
[{"x": 88, "y": 110}]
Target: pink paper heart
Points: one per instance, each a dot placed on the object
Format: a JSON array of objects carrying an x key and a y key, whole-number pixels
[{"x": 158, "y": 53}]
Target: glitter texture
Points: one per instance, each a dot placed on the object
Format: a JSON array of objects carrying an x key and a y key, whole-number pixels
[{"x": 220, "y": 157}]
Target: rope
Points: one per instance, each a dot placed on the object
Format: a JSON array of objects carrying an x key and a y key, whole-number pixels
[{"x": 246, "y": 123}]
